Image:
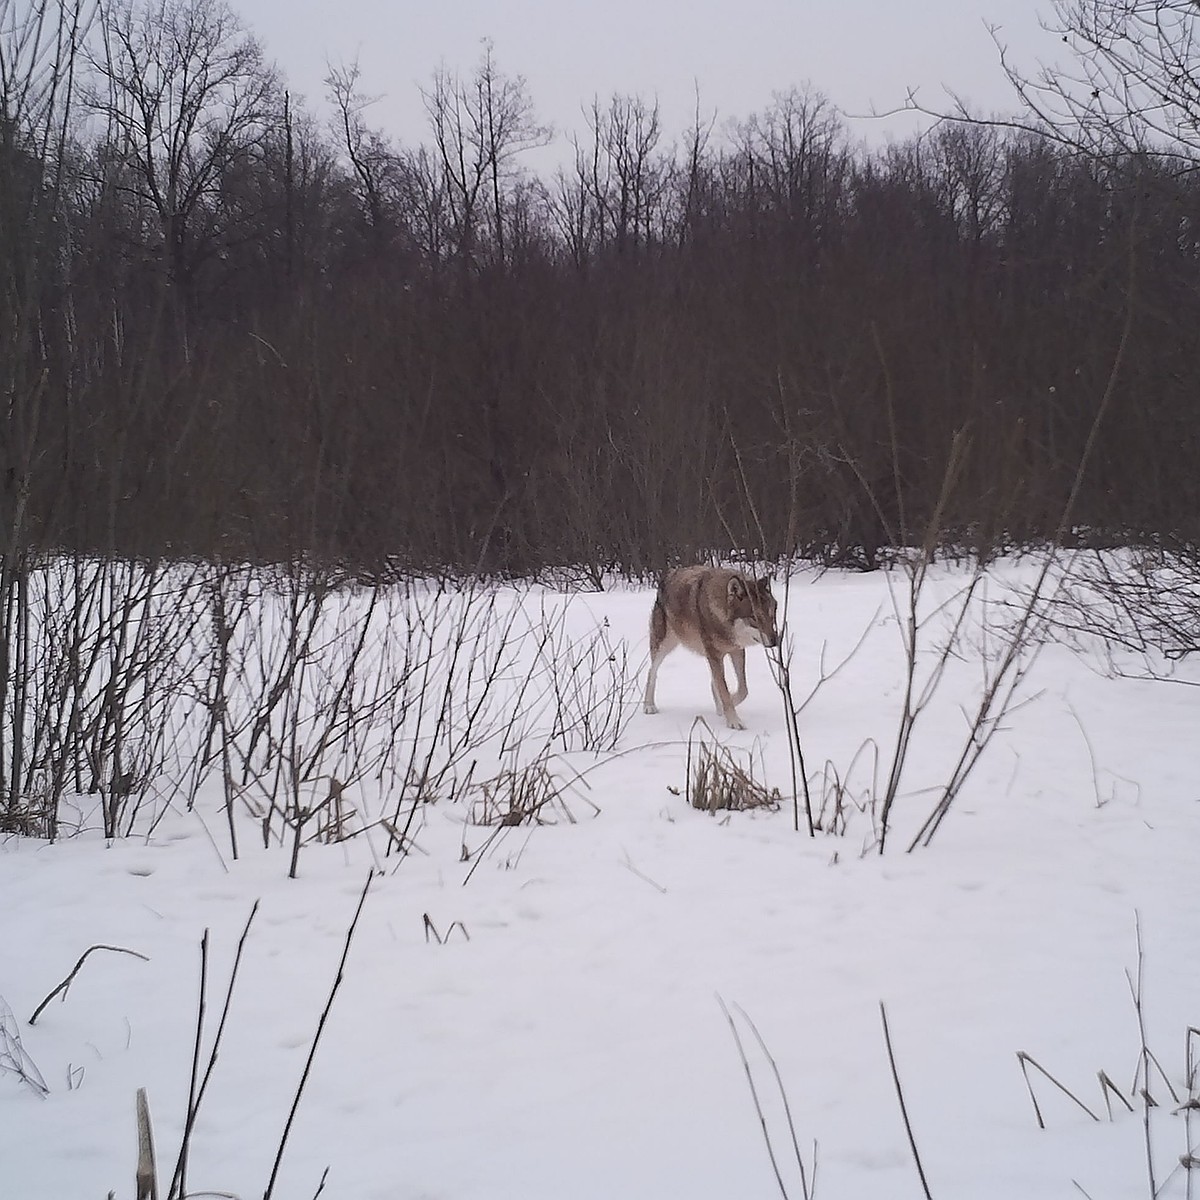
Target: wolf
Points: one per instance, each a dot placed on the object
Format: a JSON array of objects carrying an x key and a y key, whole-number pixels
[{"x": 715, "y": 612}]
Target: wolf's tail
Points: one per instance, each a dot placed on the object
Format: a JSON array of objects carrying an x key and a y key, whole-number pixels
[{"x": 658, "y": 616}]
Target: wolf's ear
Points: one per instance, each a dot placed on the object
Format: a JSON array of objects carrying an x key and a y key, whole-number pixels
[{"x": 737, "y": 588}]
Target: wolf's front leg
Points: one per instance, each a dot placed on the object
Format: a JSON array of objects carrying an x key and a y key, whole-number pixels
[
  {"x": 720, "y": 690},
  {"x": 739, "y": 669}
]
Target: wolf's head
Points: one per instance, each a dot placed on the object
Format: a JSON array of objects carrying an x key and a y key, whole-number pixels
[{"x": 752, "y": 611}]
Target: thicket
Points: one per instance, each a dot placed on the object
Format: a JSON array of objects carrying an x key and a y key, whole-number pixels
[{"x": 231, "y": 333}]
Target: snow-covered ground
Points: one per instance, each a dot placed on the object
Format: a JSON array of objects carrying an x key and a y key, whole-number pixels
[{"x": 567, "y": 1036}]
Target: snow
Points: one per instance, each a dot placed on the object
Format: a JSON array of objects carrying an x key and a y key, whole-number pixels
[{"x": 567, "y": 1038}]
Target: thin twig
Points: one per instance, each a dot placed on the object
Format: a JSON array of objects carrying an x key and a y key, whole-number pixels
[
  {"x": 762, "y": 1120},
  {"x": 627, "y": 863},
  {"x": 312, "y": 1050},
  {"x": 178, "y": 1188},
  {"x": 1135, "y": 985},
  {"x": 787, "y": 1108},
  {"x": 1107, "y": 1088},
  {"x": 66, "y": 983},
  {"x": 197, "y": 1098},
  {"x": 887, "y": 1038},
  {"x": 1024, "y": 1059}
]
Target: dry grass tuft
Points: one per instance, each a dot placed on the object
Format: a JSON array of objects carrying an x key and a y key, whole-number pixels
[
  {"x": 528, "y": 795},
  {"x": 717, "y": 781}
]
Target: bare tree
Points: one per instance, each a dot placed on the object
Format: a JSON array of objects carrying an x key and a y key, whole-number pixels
[
  {"x": 186, "y": 93},
  {"x": 480, "y": 128},
  {"x": 305, "y": 169},
  {"x": 790, "y": 155},
  {"x": 373, "y": 161},
  {"x": 615, "y": 195},
  {"x": 1133, "y": 85},
  {"x": 969, "y": 166}
]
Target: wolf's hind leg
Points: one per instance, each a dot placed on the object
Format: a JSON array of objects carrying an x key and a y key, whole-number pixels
[{"x": 662, "y": 642}]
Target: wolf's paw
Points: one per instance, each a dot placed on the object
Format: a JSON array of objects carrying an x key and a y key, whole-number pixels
[{"x": 650, "y": 709}]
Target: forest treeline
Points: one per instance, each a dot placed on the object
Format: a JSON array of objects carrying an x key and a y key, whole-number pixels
[{"x": 230, "y": 330}]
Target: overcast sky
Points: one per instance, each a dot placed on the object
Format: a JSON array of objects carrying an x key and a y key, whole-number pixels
[{"x": 860, "y": 53}]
